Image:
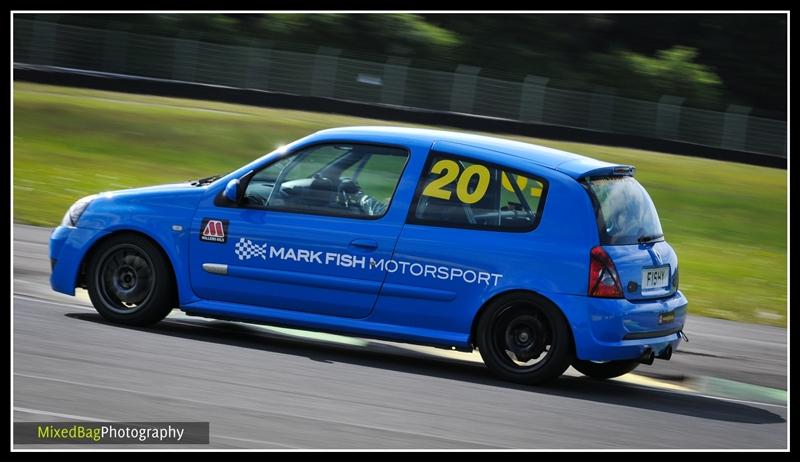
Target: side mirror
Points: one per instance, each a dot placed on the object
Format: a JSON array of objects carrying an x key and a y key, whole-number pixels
[{"x": 232, "y": 190}]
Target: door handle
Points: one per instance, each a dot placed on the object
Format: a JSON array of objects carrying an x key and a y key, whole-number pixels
[{"x": 367, "y": 244}]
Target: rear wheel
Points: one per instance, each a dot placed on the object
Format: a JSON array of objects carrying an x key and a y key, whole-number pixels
[
  {"x": 524, "y": 338},
  {"x": 130, "y": 282},
  {"x": 605, "y": 370}
]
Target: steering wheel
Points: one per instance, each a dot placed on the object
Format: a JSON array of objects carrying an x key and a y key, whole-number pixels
[
  {"x": 346, "y": 188},
  {"x": 320, "y": 182}
]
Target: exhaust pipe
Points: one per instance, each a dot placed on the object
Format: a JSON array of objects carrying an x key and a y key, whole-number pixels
[
  {"x": 666, "y": 353},
  {"x": 647, "y": 357}
]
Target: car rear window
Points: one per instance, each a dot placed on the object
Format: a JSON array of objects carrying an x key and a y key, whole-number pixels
[{"x": 625, "y": 212}]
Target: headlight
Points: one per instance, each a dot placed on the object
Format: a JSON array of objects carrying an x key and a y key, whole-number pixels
[{"x": 74, "y": 213}]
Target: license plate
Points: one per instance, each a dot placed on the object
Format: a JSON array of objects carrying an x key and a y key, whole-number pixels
[{"x": 655, "y": 278}]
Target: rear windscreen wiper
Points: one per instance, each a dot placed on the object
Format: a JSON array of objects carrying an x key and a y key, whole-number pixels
[{"x": 649, "y": 238}]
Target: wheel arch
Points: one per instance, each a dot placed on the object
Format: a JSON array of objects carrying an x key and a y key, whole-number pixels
[
  {"x": 536, "y": 297},
  {"x": 82, "y": 272}
]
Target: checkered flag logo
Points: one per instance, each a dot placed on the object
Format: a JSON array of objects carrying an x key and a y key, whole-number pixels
[{"x": 245, "y": 250}]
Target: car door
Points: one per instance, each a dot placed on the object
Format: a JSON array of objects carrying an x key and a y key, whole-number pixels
[
  {"x": 306, "y": 234},
  {"x": 469, "y": 231}
]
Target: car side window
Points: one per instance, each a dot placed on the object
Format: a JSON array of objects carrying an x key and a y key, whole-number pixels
[
  {"x": 352, "y": 180},
  {"x": 464, "y": 193}
]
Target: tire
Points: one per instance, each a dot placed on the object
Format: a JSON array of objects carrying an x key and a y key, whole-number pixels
[
  {"x": 536, "y": 358},
  {"x": 606, "y": 370},
  {"x": 130, "y": 282}
]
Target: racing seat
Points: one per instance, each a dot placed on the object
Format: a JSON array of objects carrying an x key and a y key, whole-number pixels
[{"x": 435, "y": 209}]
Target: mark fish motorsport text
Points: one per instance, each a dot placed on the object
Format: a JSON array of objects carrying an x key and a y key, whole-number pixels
[{"x": 245, "y": 249}]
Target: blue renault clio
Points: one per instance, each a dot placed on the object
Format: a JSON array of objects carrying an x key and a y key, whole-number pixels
[{"x": 539, "y": 258}]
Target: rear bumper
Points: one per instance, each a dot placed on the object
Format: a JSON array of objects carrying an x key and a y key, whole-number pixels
[{"x": 613, "y": 329}]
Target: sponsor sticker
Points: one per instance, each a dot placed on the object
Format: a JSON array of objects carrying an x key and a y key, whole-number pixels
[
  {"x": 212, "y": 230},
  {"x": 246, "y": 249}
]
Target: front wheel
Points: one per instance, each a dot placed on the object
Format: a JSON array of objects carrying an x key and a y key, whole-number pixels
[
  {"x": 524, "y": 338},
  {"x": 129, "y": 281},
  {"x": 606, "y": 370}
]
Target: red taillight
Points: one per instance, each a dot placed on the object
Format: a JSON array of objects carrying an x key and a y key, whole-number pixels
[{"x": 603, "y": 277}]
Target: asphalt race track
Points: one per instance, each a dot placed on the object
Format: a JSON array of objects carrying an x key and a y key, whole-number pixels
[{"x": 276, "y": 389}]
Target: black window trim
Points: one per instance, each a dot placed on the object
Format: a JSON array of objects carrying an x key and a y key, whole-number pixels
[
  {"x": 221, "y": 201},
  {"x": 411, "y": 218}
]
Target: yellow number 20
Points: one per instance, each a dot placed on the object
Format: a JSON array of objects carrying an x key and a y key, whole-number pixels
[{"x": 451, "y": 171}]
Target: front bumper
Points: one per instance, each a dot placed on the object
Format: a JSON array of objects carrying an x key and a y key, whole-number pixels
[
  {"x": 68, "y": 246},
  {"x": 614, "y": 329}
]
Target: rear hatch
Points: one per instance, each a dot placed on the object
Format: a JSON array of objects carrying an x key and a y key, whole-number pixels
[{"x": 630, "y": 233}]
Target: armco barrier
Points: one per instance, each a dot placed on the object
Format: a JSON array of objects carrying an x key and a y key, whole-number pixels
[
  {"x": 368, "y": 78},
  {"x": 175, "y": 88}
]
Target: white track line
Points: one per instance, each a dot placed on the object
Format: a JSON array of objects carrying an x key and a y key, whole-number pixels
[
  {"x": 248, "y": 440},
  {"x": 58, "y": 414},
  {"x": 48, "y": 302}
]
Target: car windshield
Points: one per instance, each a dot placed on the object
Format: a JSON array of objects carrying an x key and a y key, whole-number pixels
[{"x": 626, "y": 213}]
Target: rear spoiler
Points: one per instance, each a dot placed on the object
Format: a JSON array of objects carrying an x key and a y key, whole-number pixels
[
  {"x": 586, "y": 167},
  {"x": 616, "y": 170}
]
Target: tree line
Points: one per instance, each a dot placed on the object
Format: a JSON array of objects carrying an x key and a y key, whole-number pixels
[{"x": 712, "y": 60}]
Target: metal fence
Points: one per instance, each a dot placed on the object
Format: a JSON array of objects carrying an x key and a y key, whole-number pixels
[{"x": 392, "y": 82}]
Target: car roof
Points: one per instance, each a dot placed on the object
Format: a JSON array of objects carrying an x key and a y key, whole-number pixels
[{"x": 574, "y": 165}]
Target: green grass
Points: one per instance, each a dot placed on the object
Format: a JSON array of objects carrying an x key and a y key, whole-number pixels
[{"x": 727, "y": 221}]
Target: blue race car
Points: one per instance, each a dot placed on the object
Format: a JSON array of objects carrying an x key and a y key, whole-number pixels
[{"x": 539, "y": 258}]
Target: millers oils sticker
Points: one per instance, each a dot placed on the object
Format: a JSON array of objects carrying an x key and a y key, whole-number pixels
[{"x": 213, "y": 230}]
